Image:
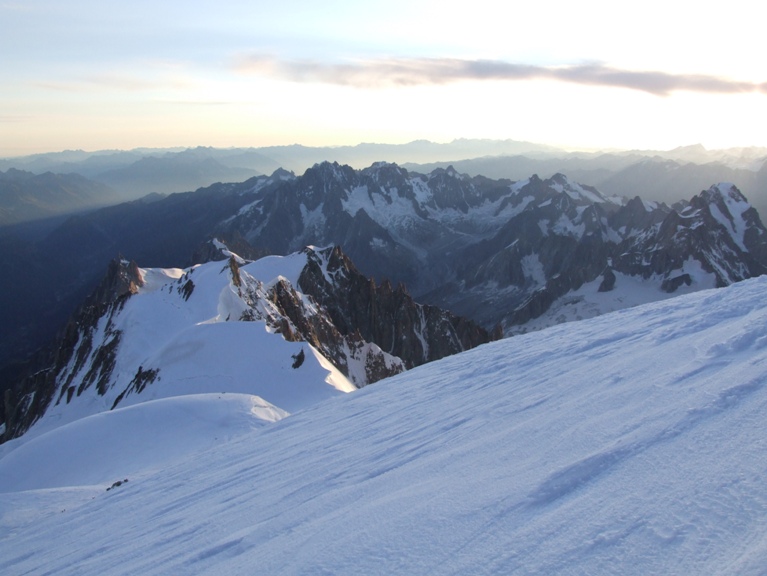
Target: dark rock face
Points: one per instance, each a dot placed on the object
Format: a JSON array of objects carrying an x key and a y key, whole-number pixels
[
  {"x": 353, "y": 313},
  {"x": 384, "y": 315},
  {"x": 76, "y": 344},
  {"x": 123, "y": 278},
  {"x": 608, "y": 280},
  {"x": 717, "y": 228},
  {"x": 297, "y": 324}
]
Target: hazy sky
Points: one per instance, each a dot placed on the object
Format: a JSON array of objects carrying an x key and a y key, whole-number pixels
[{"x": 653, "y": 74}]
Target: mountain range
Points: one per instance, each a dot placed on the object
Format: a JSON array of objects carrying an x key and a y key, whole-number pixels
[
  {"x": 655, "y": 176},
  {"x": 500, "y": 251},
  {"x": 29, "y": 197},
  {"x": 510, "y": 256},
  {"x": 520, "y": 254},
  {"x": 309, "y": 374},
  {"x": 661, "y": 175}
]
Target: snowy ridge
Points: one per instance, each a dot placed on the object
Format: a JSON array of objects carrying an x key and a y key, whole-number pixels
[
  {"x": 187, "y": 336},
  {"x": 632, "y": 443},
  {"x": 293, "y": 330},
  {"x": 589, "y": 302},
  {"x": 736, "y": 206}
]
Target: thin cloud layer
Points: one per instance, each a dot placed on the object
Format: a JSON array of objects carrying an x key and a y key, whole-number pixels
[{"x": 422, "y": 71}]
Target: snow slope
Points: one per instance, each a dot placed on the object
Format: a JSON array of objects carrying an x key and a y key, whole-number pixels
[
  {"x": 632, "y": 443},
  {"x": 196, "y": 345},
  {"x": 139, "y": 438}
]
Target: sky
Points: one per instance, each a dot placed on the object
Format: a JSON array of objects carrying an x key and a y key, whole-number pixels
[{"x": 92, "y": 75}]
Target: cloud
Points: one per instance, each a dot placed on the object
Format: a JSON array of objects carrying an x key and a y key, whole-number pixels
[{"x": 423, "y": 71}]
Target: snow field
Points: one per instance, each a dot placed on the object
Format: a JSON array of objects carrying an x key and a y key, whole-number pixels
[
  {"x": 137, "y": 439},
  {"x": 632, "y": 443}
]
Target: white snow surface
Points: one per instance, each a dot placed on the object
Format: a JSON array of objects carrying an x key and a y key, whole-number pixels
[
  {"x": 199, "y": 345},
  {"x": 631, "y": 443},
  {"x": 577, "y": 192},
  {"x": 533, "y": 269},
  {"x": 137, "y": 439},
  {"x": 269, "y": 268},
  {"x": 736, "y": 206}
]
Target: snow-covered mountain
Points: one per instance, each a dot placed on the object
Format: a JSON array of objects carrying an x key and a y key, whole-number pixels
[
  {"x": 502, "y": 251},
  {"x": 523, "y": 254},
  {"x": 292, "y": 330},
  {"x": 632, "y": 443}
]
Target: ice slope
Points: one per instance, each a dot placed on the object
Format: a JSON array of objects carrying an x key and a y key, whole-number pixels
[{"x": 632, "y": 443}]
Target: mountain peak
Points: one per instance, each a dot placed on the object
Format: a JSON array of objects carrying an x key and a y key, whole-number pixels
[
  {"x": 728, "y": 190},
  {"x": 216, "y": 324},
  {"x": 282, "y": 174},
  {"x": 123, "y": 278}
]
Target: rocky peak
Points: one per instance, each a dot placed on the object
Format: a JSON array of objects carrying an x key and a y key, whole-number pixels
[
  {"x": 123, "y": 278},
  {"x": 385, "y": 315},
  {"x": 453, "y": 190},
  {"x": 636, "y": 216},
  {"x": 717, "y": 228},
  {"x": 386, "y": 179},
  {"x": 282, "y": 174},
  {"x": 726, "y": 205},
  {"x": 326, "y": 184},
  {"x": 222, "y": 247},
  {"x": 386, "y": 173},
  {"x": 78, "y": 348}
]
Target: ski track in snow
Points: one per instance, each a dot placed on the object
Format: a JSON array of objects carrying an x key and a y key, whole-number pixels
[{"x": 632, "y": 443}]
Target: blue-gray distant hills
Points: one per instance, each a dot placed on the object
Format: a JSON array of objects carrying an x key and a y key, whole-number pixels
[
  {"x": 666, "y": 176},
  {"x": 25, "y": 196}
]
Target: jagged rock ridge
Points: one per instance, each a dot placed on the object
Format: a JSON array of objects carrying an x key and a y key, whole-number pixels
[
  {"x": 117, "y": 353},
  {"x": 502, "y": 251}
]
